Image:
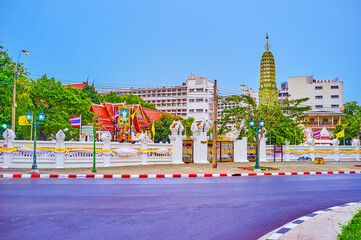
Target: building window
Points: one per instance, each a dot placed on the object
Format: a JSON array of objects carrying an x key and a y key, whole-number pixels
[
  {"x": 200, "y": 100},
  {"x": 335, "y": 105},
  {"x": 334, "y": 87},
  {"x": 319, "y": 106},
  {"x": 199, "y": 110},
  {"x": 318, "y": 87},
  {"x": 191, "y": 100},
  {"x": 334, "y": 96},
  {"x": 319, "y": 97},
  {"x": 191, "y": 90}
]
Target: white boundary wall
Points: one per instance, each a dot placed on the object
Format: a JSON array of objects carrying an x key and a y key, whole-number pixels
[
  {"x": 293, "y": 152},
  {"x": 80, "y": 159},
  {"x": 144, "y": 151}
]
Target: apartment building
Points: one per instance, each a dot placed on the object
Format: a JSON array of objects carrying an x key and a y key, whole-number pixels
[
  {"x": 325, "y": 99},
  {"x": 194, "y": 98},
  {"x": 323, "y": 94}
]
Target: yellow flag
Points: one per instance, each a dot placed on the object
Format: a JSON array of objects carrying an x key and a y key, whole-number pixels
[
  {"x": 340, "y": 134},
  {"x": 23, "y": 121},
  {"x": 133, "y": 115},
  {"x": 153, "y": 129}
]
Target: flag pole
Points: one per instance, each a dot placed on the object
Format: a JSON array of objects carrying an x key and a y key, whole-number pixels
[{"x": 80, "y": 129}]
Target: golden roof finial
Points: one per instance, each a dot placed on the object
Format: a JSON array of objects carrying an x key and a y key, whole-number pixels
[{"x": 267, "y": 45}]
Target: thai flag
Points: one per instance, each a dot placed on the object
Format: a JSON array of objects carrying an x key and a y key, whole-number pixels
[
  {"x": 116, "y": 115},
  {"x": 75, "y": 121},
  {"x": 317, "y": 133}
]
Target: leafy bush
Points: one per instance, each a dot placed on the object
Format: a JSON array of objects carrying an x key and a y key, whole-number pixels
[{"x": 351, "y": 230}]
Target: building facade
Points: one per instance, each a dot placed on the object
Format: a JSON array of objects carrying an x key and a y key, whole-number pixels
[
  {"x": 323, "y": 94},
  {"x": 194, "y": 98},
  {"x": 325, "y": 99}
]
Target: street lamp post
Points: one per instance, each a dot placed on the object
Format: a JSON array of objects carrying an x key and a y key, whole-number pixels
[
  {"x": 41, "y": 118},
  {"x": 14, "y": 89},
  {"x": 246, "y": 91},
  {"x": 256, "y": 126}
]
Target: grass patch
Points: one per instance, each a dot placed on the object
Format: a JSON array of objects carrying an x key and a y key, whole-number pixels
[
  {"x": 352, "y": 229},
  {"x": 262, "y": 168}
]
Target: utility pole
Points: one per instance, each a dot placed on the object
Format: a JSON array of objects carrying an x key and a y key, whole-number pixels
[
  {"x": 214, "y": 149},
  {"x": 13, "y": 112},
  {"x": 13, "y": 109}
]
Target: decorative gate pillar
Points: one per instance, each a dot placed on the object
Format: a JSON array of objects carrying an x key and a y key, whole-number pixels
[
  {"x": 287, "y": 152},
  {"x": 200, "y": 141},
  {"x": 144, "y": 139},
  {"x": 335, "y": 143},
  {"x": 311, "y": 142},
  {"x": 60, "y": 154},
  {"x": 106, "y": 138},
  {"x": 176, "y": 140},
  {"x": 262, "y": 149},
  {"x": 239, "y": 147},
  {"x": 356, "y": 143},
  {"x": 9, "y": 137}
]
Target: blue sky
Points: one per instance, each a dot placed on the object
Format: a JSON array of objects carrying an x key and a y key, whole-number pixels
[{"x": 160, "y": 43}]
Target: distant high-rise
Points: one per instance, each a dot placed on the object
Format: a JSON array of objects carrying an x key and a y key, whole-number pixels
[{"x": 268, "y": 89}]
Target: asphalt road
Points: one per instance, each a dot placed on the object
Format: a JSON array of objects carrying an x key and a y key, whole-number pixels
[{"x": 194, "y": 208}]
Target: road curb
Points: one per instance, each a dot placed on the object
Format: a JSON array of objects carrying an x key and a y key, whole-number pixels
[
  {"x": 173, "y": 175},
  {"x": 279, "y": 232}
]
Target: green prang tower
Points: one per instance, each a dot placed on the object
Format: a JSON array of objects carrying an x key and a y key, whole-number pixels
[{"x": 268, "y": 93}]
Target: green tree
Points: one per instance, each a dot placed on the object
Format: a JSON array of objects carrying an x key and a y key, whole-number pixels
[
  {"x": 91, "y": 93},
  {"x": 59, "y": 104},
  {"x": 282, "y": 119},
  {"x": 352, "y": 123},
  {"x": 6, "y": 88},
  {"x": 187, "y": 123},
  {"x": 112, "y": 97},
  {"x": 162, "y": 127}
]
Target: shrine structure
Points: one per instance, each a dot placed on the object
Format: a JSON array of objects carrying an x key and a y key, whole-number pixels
[{"x": 124, "y": 122}]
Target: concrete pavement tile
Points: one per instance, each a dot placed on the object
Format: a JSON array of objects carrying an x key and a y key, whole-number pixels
[{"x": 323, "y": 226}]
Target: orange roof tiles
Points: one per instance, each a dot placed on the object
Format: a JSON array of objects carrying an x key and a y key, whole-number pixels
[{"x": 75, "y": 85}]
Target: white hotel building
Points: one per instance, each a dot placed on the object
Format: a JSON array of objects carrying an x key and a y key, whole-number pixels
[
  {"x": 194, "y": 98},
  {"x": 325, "y": 99}
]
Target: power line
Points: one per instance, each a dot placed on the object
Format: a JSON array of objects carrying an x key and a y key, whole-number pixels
[{"x": 113, "y": 86}]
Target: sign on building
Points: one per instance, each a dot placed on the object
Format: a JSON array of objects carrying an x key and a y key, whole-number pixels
[{"x": 87, "y": 130}]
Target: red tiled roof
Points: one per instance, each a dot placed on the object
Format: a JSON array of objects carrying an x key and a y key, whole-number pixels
[
  {"x": 100, "y": 111},
  {"x": 153, "y": 115},
  {"x": 75, "y": 85}
]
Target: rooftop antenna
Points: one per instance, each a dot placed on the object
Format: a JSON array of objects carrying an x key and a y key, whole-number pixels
[{"x": 267, "y": 45}]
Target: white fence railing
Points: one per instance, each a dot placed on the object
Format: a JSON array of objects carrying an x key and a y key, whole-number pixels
[
  {"x": 60, "y": 154},
  {"x": 80, "y": 154},
  {"x": 306, "y": 152}
]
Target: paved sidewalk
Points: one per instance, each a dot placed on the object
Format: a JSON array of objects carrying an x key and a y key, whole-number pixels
[
  {"x": 225, "y": 167},
  {"x": 323, "y": 226}
]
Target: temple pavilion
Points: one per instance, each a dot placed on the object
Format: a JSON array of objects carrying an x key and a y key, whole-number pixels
[{"x": 124, "y": 122}]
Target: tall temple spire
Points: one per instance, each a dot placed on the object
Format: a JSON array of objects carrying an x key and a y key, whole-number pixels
[
  {"x": 267, "y": 46},
  {"x": 268, "y": 88}
]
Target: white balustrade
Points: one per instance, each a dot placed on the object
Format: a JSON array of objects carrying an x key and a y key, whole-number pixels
[{"x": 80, "y": 154}]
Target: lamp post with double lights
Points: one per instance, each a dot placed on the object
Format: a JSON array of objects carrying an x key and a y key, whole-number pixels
[
  {"x": 40, "y": 118},
  {"x": 256, "y": 126},
  {"x": 14, "y": 89}
]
